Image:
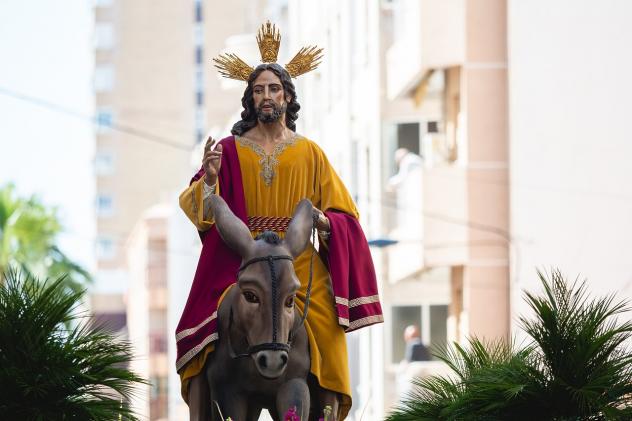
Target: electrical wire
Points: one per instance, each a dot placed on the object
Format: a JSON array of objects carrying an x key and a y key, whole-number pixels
[{"x": 122, "y": 128}]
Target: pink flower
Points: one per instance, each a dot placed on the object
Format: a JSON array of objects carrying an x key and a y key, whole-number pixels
[{"x": 291, "y": 415}]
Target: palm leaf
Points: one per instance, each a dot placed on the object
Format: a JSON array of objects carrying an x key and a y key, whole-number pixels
[
  {"x": 576, "y": 368},
  {"x": 28, "y": 236},
  {"x": 48, "y": 369}
]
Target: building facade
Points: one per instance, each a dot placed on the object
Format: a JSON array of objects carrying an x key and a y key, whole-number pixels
[
  {"x": 157, "y": 98},
  {"x": 522, "y": 139},
  {"x": 429, "y": 77}
]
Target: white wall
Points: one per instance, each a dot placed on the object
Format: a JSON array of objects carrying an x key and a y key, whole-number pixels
[
  {"x": 341, "y": 112},
  {"x": 184, "y": 250},
  {"x": 570, "y": 100}
]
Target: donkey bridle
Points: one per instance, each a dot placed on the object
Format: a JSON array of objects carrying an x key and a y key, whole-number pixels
[{"x": 274, "y": 345}]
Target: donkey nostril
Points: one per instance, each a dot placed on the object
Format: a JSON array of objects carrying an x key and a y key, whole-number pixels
[
  {"x": 263, "y": 362},
  {"x": 284, "y": 359}
]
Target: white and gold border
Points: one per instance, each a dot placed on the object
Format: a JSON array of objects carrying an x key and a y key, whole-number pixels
[
  {"x": 186, "y": 332},
  {"x": 193, "y": 351}
]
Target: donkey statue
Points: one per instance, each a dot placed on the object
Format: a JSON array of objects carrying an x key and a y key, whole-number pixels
[{"x": 262, "y": 357}]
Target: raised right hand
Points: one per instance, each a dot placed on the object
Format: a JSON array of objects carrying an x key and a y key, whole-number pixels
[{"x": 211, "y": 161}]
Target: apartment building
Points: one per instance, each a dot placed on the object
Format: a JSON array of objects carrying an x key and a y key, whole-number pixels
[
  {"x": 518, "y": 110},
  {"x": 157, "y": 98},
  {"x": 430, "y": 77}
]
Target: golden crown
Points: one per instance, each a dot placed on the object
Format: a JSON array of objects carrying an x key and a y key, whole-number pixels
[{"x": 269, "y": 40}]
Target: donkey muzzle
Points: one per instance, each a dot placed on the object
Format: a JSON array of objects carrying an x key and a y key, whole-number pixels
[{"x": 271, "y": 364}]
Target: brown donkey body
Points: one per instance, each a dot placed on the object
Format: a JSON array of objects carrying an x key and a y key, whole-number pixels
[{"x": 262, "y": 357}]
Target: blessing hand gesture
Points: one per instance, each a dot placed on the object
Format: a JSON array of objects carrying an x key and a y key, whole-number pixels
[{"x": 211, "y": 161}]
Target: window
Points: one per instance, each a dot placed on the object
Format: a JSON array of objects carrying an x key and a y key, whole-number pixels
[
  {"x": 198, "y": 55},
  {"x": 438, "y": 325},
  {"x": 199, "y": 98},
  {"x": 443, "y": 136},
  {"x": 198, "y": 11},
  {"x": 105, "y": 205},
  {"x": 432, "y": 321},
  {"x": 102, "y": 3},
  {"x": 104, "y": 163},
  {"x": 105, "y": 248},
  {"x": 432, "y": 127},
  {"x": 103, "y": 78},
  {"x": 104, "y": 119},
  {"x": 398, "y": 135},
  {"x": 408, "y": 136},
  {"x": 103, "y": 36}
]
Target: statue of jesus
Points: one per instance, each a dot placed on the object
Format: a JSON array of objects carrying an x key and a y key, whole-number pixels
[{"x": 262, "y": 171}]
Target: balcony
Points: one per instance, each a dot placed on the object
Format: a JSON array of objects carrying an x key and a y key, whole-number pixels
[{"x": 428, "y": 34}]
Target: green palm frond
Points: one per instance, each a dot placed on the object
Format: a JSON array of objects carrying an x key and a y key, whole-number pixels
[
  {"x": 580, "y": 346},
  {"x": 28, "y": 237},
  {"x": 49, "y": 371},
  {"x": 431, "y": 399},
  {"x": 486, "y": 378},
  {"x": 576, "y": 368}
]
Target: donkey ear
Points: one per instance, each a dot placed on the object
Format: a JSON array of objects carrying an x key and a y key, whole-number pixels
[
  {"x": 233, "y": 231},
  {"x": 300, "y": 228}
]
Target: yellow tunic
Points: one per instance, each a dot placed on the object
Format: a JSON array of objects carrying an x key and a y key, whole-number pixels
[{"x": 273, "y": 185}]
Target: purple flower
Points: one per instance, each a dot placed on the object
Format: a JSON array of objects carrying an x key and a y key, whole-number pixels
[{"x": 291, "y": 415}]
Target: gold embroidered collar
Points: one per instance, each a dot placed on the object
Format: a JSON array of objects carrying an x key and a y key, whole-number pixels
[{"x": 270, "y": 161}]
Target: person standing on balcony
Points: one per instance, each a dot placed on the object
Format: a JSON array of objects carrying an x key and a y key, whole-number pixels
[{"x": 415, "y": 349}]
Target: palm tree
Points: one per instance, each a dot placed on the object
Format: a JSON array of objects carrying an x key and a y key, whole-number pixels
[
  {"x": 28, "y": 234},
  {"x": 575, "y": 368},
  {"x": 51, "y": 372}
]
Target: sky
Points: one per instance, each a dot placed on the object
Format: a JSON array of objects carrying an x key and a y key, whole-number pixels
[{"x": 46, "y": 54}]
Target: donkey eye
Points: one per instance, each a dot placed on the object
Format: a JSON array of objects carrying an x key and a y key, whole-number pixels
[
  {"x": 289, "y": 302},
  {"x": 250, "y": 297}
]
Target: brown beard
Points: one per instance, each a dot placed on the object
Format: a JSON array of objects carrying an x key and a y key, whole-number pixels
[{"x": 272, "y": 117}]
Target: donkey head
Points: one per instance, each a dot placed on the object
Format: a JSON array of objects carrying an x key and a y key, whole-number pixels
[{"x": 264, "y": 309}]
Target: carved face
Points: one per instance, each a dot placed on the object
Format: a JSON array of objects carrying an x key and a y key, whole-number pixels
[
  {"x": 265, "y": 315},
  {"x": 258, "y": 312},
  {"x": 269, "y": 97}
]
